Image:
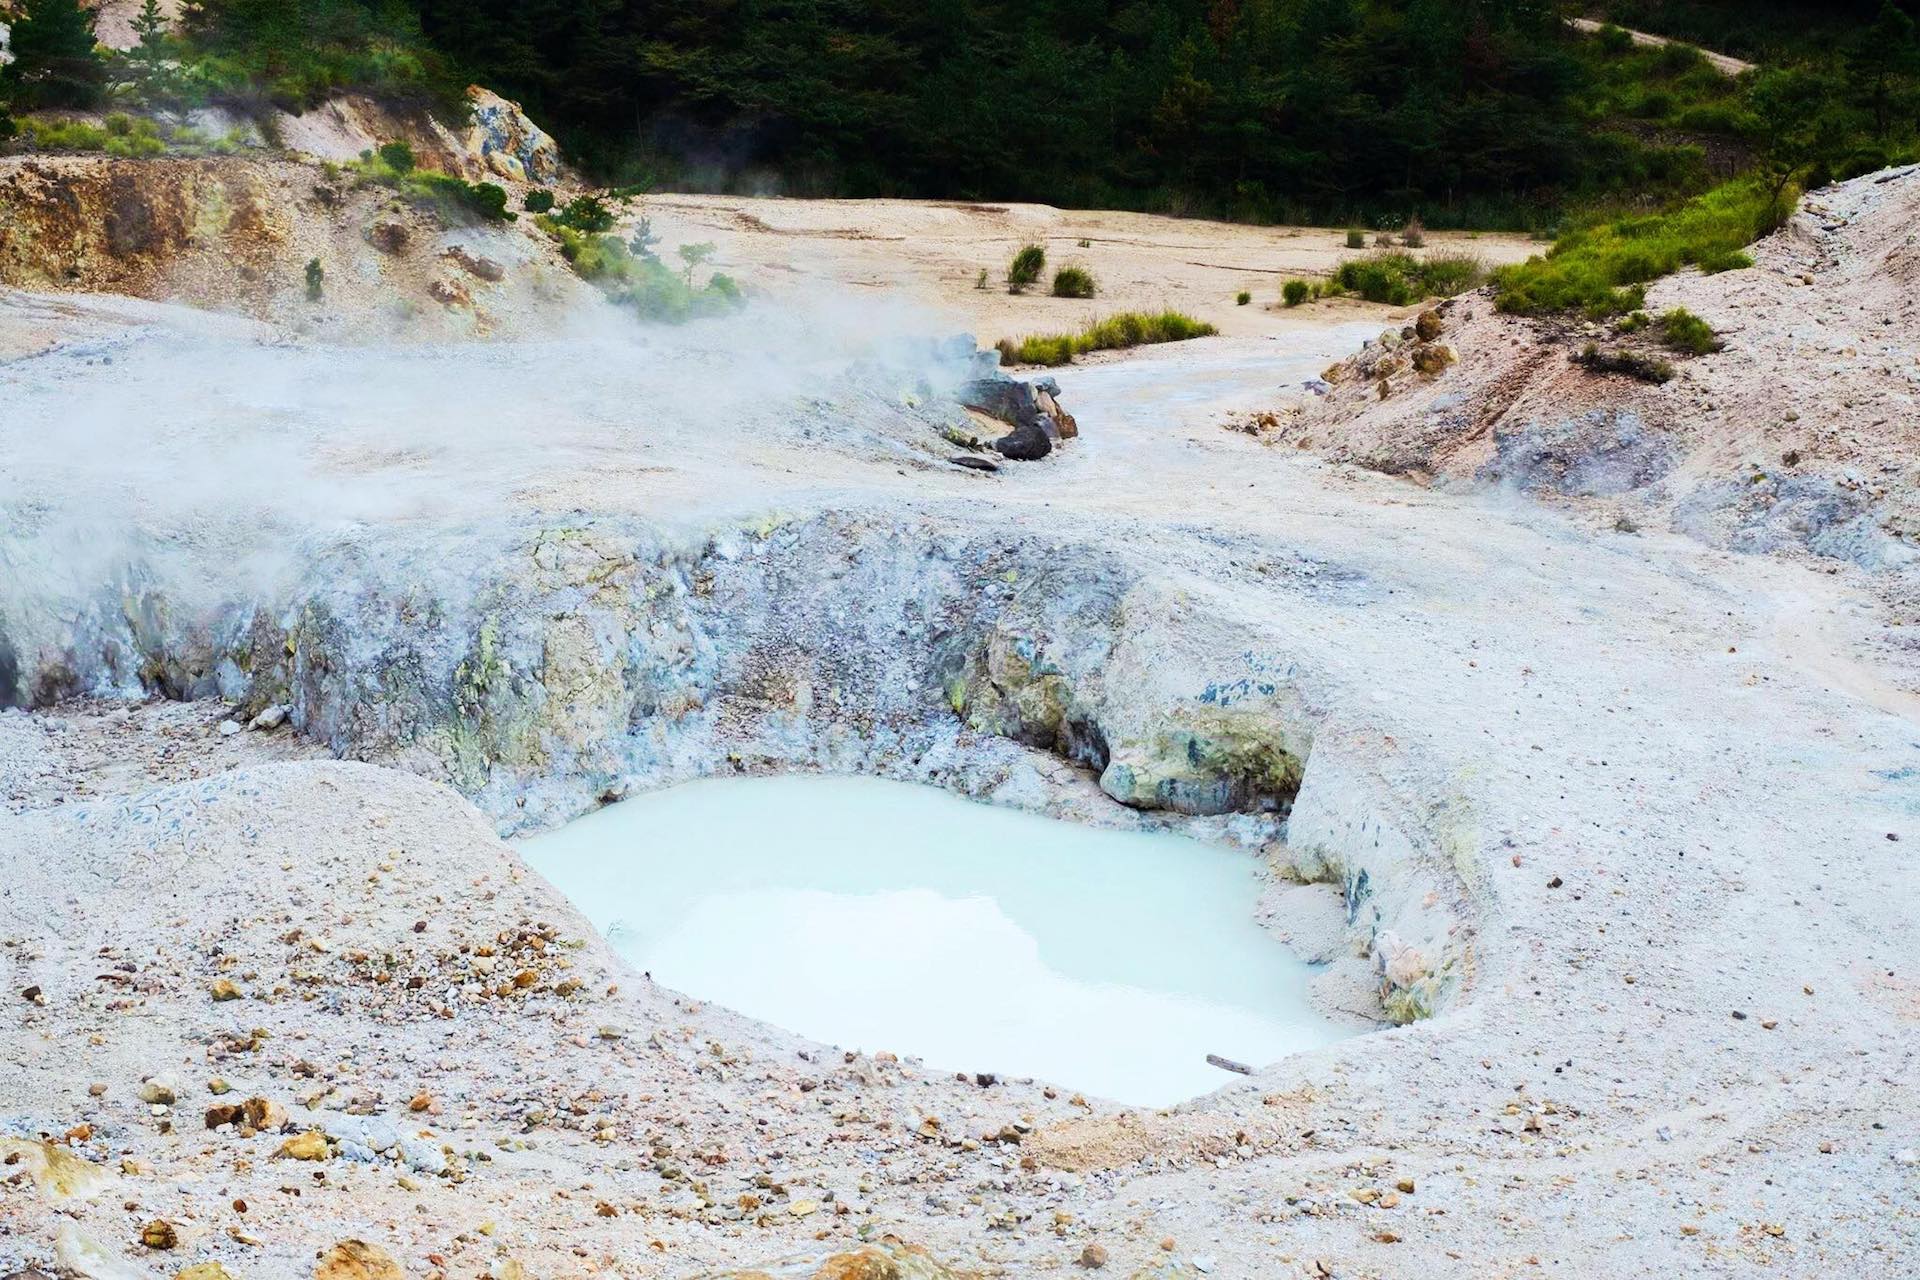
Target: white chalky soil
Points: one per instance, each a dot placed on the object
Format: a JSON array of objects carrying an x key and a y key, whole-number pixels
[{"x": 882, "y": 915}]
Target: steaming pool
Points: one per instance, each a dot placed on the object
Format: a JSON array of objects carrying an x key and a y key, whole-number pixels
[{"x": 883, "y": 915}]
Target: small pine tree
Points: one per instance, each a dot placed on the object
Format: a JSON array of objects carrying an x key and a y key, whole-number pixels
[
  {"x": 148, "y": 58},
  {"x": 316, "y": 279},
  {"x": 56, "y": 62}
]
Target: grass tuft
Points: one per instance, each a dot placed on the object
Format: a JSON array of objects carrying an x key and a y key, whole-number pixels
[{"x": 1116, "y": 332}]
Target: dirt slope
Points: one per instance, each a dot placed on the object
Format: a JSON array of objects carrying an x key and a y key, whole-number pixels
[{"x": 1800, "y": 435}]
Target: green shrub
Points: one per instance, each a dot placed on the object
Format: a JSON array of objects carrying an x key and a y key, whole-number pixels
[
  {"x": 1026, "y": 267},
  {"x": 586, "y": 213},
  {"x": 1400, "y": 279},
  {"x": 539, "y": 200},
  {"x": 397, "y": 156},
  {"x": 1295, "y": 292},
  {"x": 135, "y": 146},
  {"x": 1603, "y": 269},
  {"x": 1073, "y": 282},
  {"x": 1356, "y": 238},
  {"x": 119, "y": 124},
  {"x": 1242, "y": 298},
  {"x": 1681, "y": 330},
  {"x": 1125, "y": 329},
  {"x": 316, "y": 278}
]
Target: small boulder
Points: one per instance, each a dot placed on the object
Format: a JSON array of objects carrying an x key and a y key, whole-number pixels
[
  {"x": 484, "y": 268},
  {"x": 389, "y": 236},
  {"x": 1428, "y": 326},
  {"x": 158, "y": 1091}
]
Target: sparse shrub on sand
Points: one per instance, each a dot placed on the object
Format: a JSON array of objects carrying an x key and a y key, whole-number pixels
[
  {"x": 1025, "y": 268},
  {"x": 1356, "y": 238},
  {"x": 1681, "y": 330},
  {"x": 1414, "y": 236},
  {"x": 1073, "y": 282},
  {"x": 1242, "y": 298},
  {"x": 1295, "y": 292}
]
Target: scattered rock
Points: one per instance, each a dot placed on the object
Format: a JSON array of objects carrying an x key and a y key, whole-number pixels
[
  {"x": 272, "y": 718},
  {"x": 1093, "y": 1257},
  {"x": 1428, "y": 325},
  {"x": 223, "y": 989},
  {"x": 159, "y": 1234}
]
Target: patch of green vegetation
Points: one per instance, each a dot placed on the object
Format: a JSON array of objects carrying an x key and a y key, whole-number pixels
[
  {"x": 63, "y": 135},
  {"x": 1026, "y": 267},
  {"x": 630, "y": 273},
  {"x": 1401, "y": 279},
  {"x": 1602, "y": 269},
  {"x": 124, "y": 136},
  {"x": 1125, "y": 329},
  {"x": 586, "y": 213},
  {"x": 539, "y": 200},
  {"x": 1681, "y": 330},
  {"x": 1073, "y": 282},
  {"x": 1242, "y": 298},
  {"x": 1295, "y": 292},
  {"x": 1356, "y": 238},
  {"x": 316, "y": 279},
  {"x": 455, "y": 199}
]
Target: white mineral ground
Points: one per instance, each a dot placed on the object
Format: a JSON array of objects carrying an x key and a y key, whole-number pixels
[{"x": 1666, "y": 810}]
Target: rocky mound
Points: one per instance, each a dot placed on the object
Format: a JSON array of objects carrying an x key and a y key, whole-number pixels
[{"x": 1798, "y": 435}]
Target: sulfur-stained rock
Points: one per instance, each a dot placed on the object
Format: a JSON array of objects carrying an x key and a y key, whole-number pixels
[
  {"x": 57, "y": 1172},
  {"x": 223, "y": 989},
  {"x": 311, "y": 1145},
  {"x": 889, "y": 1260},
  {"x": 1428, "y": 325},
  {"x": 159, "y": 1234},
  {"x": 264, "y": 1114},
  {"x": 203, "y": 1271},
  {"x": 357, "y": 1260}
]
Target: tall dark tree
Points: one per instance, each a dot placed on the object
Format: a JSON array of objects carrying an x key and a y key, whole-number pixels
[{"x": 56, "y": 59}]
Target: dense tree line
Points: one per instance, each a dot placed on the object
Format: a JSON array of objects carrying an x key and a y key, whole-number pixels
[{"x": 1476, "y": 111}]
